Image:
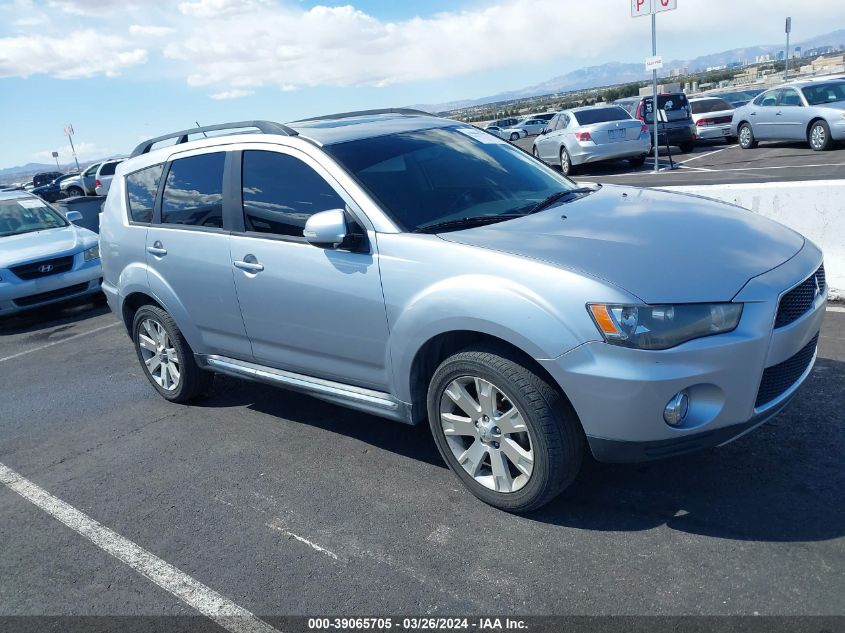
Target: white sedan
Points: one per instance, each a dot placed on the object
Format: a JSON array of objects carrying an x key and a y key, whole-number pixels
[
  {"x": 532, "y": 126},
  {"x": 508, "y": 133}
]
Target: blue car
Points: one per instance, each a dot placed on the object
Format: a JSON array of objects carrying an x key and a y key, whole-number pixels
[{"x": 44, "y": 257}]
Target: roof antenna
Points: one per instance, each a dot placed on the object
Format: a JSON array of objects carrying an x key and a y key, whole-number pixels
[{"x": 203, "y": 133}]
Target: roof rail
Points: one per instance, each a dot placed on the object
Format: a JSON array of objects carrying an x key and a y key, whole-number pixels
[
  {"x": 348, "y": 115},
  {"x": 265, "y": 127}
]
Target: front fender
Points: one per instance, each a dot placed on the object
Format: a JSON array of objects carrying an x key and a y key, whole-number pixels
[{"x": 476, "y": 303}]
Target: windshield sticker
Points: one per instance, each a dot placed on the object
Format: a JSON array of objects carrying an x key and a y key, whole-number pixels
[
  {"x": 481, "y": 135},
  {"x": 31, "y": 204}
]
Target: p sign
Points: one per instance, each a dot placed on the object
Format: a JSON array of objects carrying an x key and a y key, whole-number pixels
[
  {"x": 641, "y": 7},
  {"x": 665, "y": 5}
]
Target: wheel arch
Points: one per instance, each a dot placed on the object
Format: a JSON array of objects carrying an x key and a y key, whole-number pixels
[
  {"x": 132, "y": 303},
  {"x": 438, "y": 348},
  {"x": 812, "y": 122}
]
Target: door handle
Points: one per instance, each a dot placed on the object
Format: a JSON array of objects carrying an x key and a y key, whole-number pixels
[
  {"x": 249, "y": 263},
  {"x": 753, "y": 114},
  {"x": 157, "y": 249},
  {"x": 778, "y": 113}
]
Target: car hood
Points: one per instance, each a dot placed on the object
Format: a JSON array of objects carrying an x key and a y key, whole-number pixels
[
  {"x": 659, "y": 246},
  {"x": 71, "y": 181},
  {"x": 18, "y": 249}
]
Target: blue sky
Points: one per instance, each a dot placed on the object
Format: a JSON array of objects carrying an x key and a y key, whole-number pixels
[{"x": 120, "y": 70}]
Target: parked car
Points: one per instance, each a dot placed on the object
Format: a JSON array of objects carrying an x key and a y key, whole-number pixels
[
  {"x": 712, "y": 117},
  {"x": 510, "y": 133},
  {"x": 736, "y": 98},
  {"x": 678, "y": 128},
  {"x": 532, "y": 126},
  {"x": 51, "y": 192},
  {"x": 15, "y": 186},
  {"x": 809, "y": 111},
  {"x": 105, "y": 173},
  {"x": 545, "y": 116},
  {"x": 44, "y": 257},
  {"x": 418, "y": 268},
  {"x": 83, "y": 184},
  {"x": 45, "y": 178},
  {"x": 503, "y": 123},
  {"x": 592, "y": 134}
]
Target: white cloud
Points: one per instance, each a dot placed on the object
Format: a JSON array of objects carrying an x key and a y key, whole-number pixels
[
  {"x": 231, "y": 94},
  {"x": 220, "y": 8},
  {"x": 143, "y": 30},
  {"x": 84, "y": 152},
  {"x": 78, "y": 54}
]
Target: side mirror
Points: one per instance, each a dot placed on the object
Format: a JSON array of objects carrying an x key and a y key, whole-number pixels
[
  {"x": 73, "y": 216},
  {"x": 545, "y": 130},
  {"x": 326, "y": 229}
]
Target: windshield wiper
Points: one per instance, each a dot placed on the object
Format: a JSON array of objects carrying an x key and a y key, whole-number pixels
[
  {"x": 462, "y": 223},
  {"x": 545, "y": 204}
]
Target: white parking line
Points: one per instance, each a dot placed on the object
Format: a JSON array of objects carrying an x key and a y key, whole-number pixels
[
  {"x": 64, "y": 340},
  {"x": 835, "y": 309},
  {"x": 274, "y": 525},
  {"x": 777, "y": 167},
  {"x": 192, "y": 592},
  {"x": 697, "y": 156}
]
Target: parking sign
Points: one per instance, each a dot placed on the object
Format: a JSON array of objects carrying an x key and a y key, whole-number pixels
[
  {"x": 665, "y": 5},
  {"x": 640, "y": 7}
]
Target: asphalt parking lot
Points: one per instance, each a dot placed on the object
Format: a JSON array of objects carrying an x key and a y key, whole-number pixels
[
  {"x": 718, "y": 163},
  {"x": 286, "y": 505}
]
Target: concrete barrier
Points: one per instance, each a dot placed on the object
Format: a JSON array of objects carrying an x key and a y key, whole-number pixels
[{"x": 816, "y": 209}]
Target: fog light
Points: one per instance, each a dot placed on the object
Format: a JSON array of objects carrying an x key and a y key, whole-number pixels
[{"x": 676, "y": 409}]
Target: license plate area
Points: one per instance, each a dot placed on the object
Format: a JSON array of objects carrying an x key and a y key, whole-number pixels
[{"x": 616, "y": 135}]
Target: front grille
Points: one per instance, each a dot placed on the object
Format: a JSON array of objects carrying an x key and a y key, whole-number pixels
[
  {"x": 795, "y": 303},
  {"x": 31, "y": 300},
  {"x": 43, "y": 268},
  {"x": 778, "y": 378}
]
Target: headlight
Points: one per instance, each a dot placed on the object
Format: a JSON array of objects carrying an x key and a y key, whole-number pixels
[
  {"x": 662, "y": 327},
  {"x": 91, "y": 253}
]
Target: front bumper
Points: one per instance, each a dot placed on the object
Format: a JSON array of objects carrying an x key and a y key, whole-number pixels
[
  {"x": 17, "y": 295},
  {"x": 620, "y": 393},
  {"x": 837, "y": 130}
]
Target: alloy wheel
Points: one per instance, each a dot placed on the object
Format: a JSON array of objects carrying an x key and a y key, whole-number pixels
[
  {"x": 159, "y": 355},
  {"x": 745, "y": 136},
  {"x": 817, "y": 136},
  {"x": 487, "y": 434}
]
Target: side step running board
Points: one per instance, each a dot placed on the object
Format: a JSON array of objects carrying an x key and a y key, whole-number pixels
[{"x": 374, "y": 402}]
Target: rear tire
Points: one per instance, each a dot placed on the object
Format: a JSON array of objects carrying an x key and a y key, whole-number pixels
[
  {"x": 686, "y": 148},
  {"x": 819, "y": 136},
  {"x": 746, "y": 137},
  {"x": 566, "y": 166},
  {"x": 492, "y": 462},
  {"x": 514, "y": 136},
  {"x": 166, "y": 358},
  {"x": 72, "y": 192},
  {"x": 639, "y": 161}
]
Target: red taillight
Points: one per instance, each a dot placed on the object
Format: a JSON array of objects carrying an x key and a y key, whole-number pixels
[
  {"x": 583, "y": 136},
  {"x": 640, "y": 112},
  {"x": 97, "y": 183},
  {"x": 644, "y": 129},
  {"x": 706, "y": 122}
]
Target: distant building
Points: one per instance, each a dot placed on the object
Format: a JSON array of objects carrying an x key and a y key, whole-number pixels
[
  {"x": 762, "y": 58},
  {"x": 781, "y": 56},
  {"x": 796, "y": 52},
  {"x": 679, "y": 72}
]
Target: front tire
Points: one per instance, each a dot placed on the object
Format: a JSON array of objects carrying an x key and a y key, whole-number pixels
[
  {"x": 819, "y": 136},
  {"x": 746, "y": 137},
  {"x": 166, "y": 358},
  {"x": 510, "y": 437},
  {"x": 73, "y": 192},
  {"x": 514, "y": 136}
]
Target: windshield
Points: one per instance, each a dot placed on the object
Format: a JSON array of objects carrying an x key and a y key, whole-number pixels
[
  {"x": 601, "y": 115},
  {"x": 824, "y": 93},
  {"x": 26, "y": 215},
  {"x": 431, "y": 176},
  {"x": 710, "y": 105}
]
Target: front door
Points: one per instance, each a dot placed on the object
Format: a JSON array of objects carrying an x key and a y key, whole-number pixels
[
  {"x": 791, "y": 116},
  {"x": 309, "y": 310}
]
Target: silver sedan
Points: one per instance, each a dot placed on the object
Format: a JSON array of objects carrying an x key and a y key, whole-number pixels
[
  {"x": 592, "y": 134},
  {"x": 810, "y": 111}
]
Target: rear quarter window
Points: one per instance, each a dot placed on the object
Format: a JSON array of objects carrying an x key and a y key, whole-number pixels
[{"x": 141, "y": 188}]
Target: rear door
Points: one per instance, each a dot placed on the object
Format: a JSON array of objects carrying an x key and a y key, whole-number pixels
[
  {"x": 309, "y": 310},
  {"x": 188, "y": 253}
]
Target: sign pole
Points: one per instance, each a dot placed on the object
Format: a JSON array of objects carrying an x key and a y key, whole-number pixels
[
  {"x": 788, "y": 29},
  {"x": 654, "y": 90},
  {"x": 69, "y": 132}
]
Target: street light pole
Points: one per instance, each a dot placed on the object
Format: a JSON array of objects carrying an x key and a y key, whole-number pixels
[
  {"x": 654, "y": 90},
  {"x": 788, "y": 29}
]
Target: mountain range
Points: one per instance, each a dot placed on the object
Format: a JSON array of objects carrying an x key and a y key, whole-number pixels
[{"x": 614, "y": 73}]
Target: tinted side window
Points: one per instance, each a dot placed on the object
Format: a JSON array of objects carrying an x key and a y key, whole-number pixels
[
  {"x": 193, "y": 191},
  {"x": 141, "y": 188},
  {"x": 108, "y": 169},
  {"x": 281, "y": 193}
]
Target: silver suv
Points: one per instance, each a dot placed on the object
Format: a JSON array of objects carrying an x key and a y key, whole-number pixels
[{"x": 418, "y": 268}]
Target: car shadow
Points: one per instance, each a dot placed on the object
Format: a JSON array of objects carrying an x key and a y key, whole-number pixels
[
  {"x": 783, "y": 482},
  {"x": 52, "y": 316}
]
